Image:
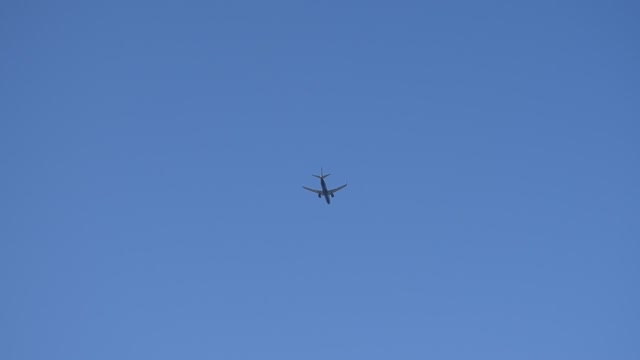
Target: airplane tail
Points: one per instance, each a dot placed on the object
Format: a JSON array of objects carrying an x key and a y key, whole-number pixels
[{"x": 321, "y": 176}]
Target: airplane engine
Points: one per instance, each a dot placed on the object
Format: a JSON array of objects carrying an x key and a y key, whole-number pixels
[
  {"x": 332, "y": 195},
  {"x": 319, "y": 196}
]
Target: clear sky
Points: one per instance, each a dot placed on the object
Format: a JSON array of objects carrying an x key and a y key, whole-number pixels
[{"x": 153, "y": 155}]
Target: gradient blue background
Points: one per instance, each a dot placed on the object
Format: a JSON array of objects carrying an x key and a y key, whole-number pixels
[{"x": 153, "y": 154}]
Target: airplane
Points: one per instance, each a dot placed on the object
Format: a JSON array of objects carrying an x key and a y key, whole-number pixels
[{"x": 328, "y": 194}]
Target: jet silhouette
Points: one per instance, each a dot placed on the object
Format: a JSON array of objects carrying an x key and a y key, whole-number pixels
[{"x": 328, "y": 194}]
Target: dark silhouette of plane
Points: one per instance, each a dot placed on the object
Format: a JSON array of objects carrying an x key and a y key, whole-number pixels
[{"x": 328, "y": 194}]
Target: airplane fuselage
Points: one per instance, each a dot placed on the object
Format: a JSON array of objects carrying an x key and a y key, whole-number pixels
[{"x": 325, "y": 192}]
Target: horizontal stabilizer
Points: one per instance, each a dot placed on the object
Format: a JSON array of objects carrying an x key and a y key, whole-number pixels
[{"x": 322, "y": 175}]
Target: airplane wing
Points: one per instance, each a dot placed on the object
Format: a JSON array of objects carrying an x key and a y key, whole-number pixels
[
  {"x": 336, "y": 189},
  {"x": 313, "y": 190}
]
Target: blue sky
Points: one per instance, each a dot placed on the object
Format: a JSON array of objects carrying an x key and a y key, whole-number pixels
[{"x": 154, "y": 153}]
